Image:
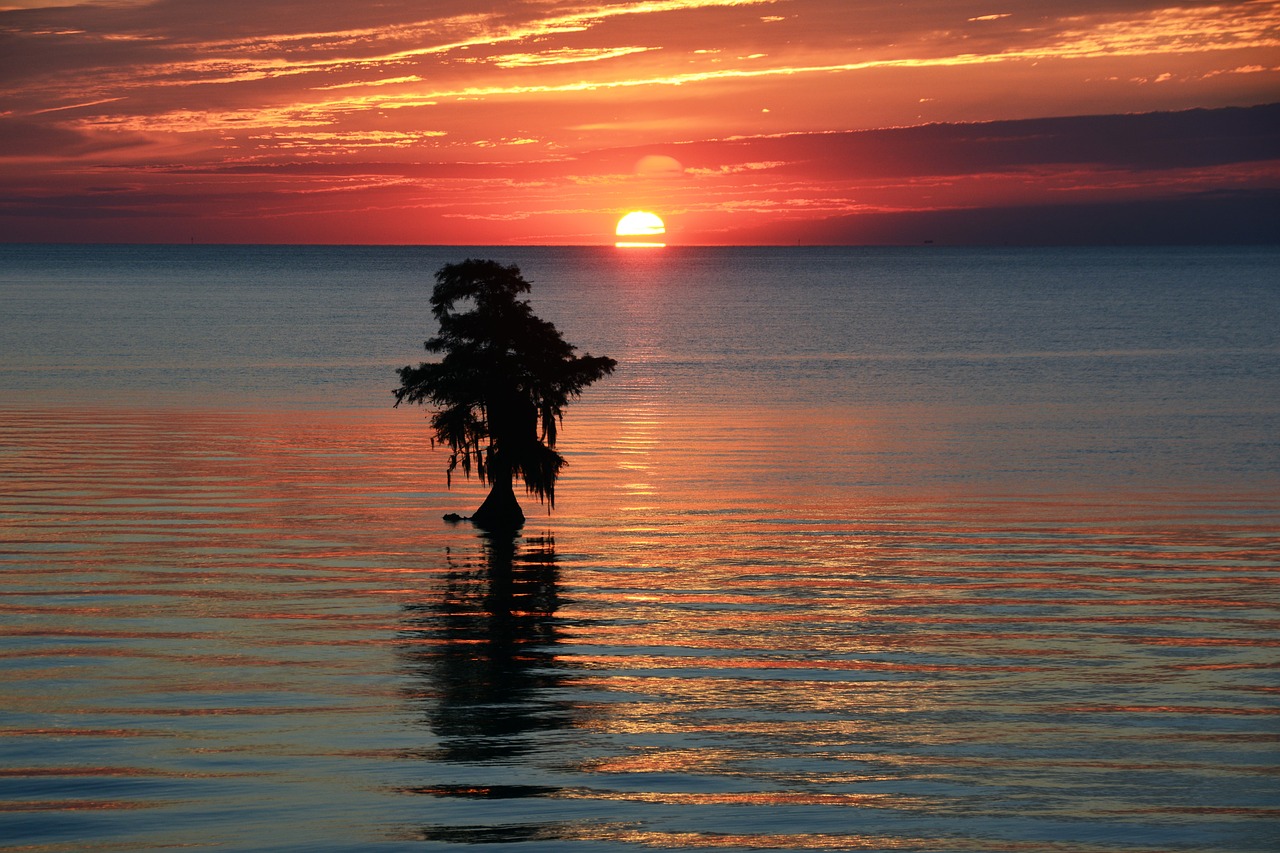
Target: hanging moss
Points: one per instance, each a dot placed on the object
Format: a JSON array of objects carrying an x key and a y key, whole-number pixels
[{"x": 499, "y": 390}]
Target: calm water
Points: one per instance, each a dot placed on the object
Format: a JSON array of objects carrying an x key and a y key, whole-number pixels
[{"x": 924, "y": 550}]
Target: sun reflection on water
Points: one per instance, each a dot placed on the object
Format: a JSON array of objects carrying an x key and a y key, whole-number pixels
[{"x": 208, "y": 611}]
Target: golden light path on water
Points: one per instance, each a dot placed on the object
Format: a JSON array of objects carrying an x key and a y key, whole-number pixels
[{"x": 252, "y": 629}]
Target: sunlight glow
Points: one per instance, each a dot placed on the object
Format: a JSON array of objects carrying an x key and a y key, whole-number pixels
[
  {"x": 532, "y": 123},
  {"x": 640, "y": 224}
]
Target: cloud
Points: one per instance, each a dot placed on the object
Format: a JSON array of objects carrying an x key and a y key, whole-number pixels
[
  {"x": 791, "y": 106},
  {"x": 560, "y": 56},
  {"x": 1153, "y": 141},
  {"x": 1210, "y": 218},
  {"x": 22, "y": 138}
]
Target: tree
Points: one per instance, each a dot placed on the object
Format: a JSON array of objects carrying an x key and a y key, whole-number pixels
[{"x": 499, "y": 391}]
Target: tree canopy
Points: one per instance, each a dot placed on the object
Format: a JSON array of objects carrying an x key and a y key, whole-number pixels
[{"x": 500, "y": 387}]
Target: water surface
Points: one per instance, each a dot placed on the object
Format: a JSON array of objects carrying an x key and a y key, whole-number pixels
[{"x": 859, "y": 550}]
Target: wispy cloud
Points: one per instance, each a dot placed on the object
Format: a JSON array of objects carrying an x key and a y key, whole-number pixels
[
  {"x": 560, "y": 56},
  {"x": 526, "y": 111}
]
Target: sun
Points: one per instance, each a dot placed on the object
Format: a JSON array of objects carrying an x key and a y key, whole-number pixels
[{"x": 643, "y": 225}]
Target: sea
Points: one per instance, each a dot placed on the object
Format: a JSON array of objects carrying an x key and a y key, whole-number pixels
[{"x": 859, "y": 549}]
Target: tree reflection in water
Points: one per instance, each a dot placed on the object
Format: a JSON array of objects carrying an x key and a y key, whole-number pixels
[{"x": 484, "y": 655}]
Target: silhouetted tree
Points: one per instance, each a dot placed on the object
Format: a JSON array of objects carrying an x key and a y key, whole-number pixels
[{"x": 501, "y": 386}]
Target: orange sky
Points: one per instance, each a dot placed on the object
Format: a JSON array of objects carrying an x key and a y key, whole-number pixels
[{"x": 542, "y": 121}]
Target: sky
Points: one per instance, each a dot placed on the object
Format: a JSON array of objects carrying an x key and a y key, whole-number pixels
[{"x": 544, "y": 121}]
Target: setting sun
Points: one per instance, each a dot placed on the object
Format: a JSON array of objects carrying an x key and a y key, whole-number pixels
[
  {"x": 534, "y": 123},
  {"x": 640, "y": 224}
]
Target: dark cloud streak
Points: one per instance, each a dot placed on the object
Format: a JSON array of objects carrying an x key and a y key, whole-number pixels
[
  {"x": 1241, "y": 218},
  {"x": 28, "y": 139},
  {"x": 1147, "y": 142}
]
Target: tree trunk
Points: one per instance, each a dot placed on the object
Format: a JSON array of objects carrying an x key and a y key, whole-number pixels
[{"x": 500, "y": 510}]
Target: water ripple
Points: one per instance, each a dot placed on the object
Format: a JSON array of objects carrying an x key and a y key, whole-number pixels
[{"x": 252, "y": 630}]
